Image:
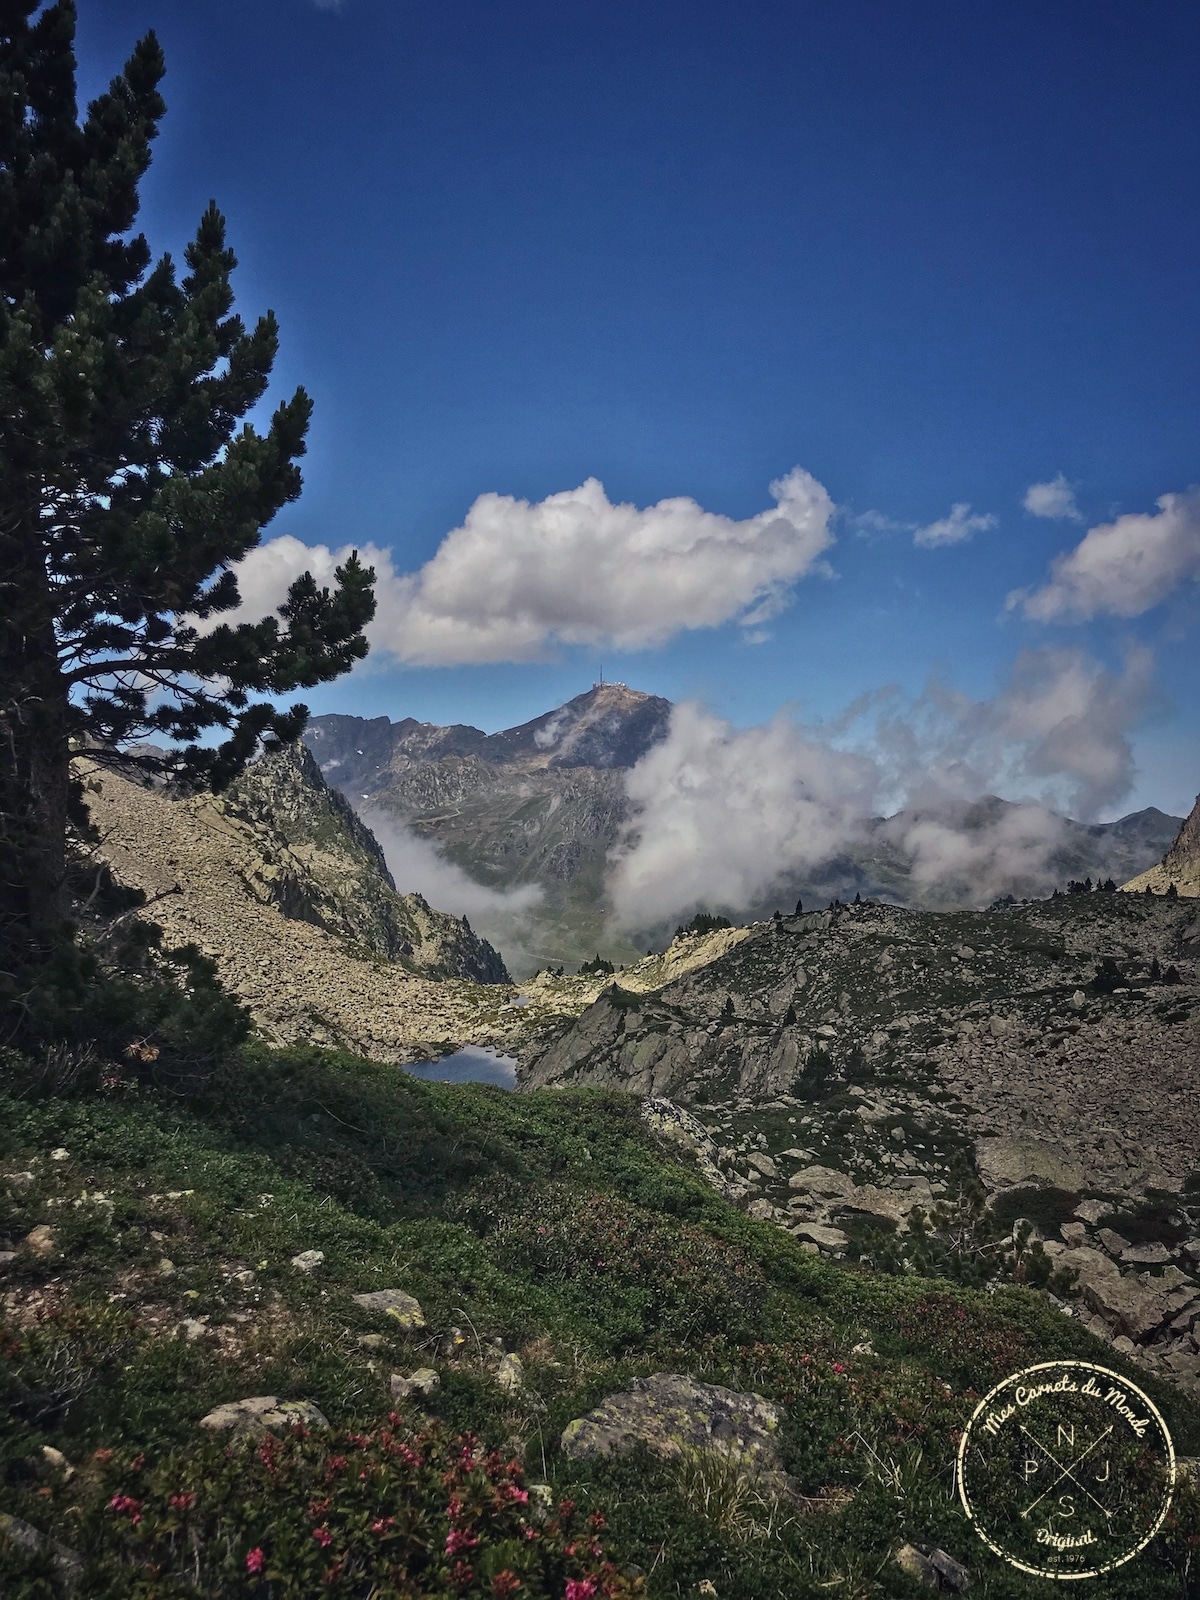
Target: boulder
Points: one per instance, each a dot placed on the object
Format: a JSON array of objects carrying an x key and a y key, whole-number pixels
[
  {"x": 1132, "y": 1308},
  {"x": 1128, "y": 1306},
  {"x": 882, "y": 1205},
  {"x": 822, "y": 1180},
  {"x": 424, "y": 1381},
  {"x": 909, "y": 1559},
  {"x": 40, "y": 1241},
  {"x": 762, "y": 1164},
  {"x": 263, "y": 1413},
  {"x": 23, "y": 1536},
  {"x": 953, "y": 1574},
  {"x": 1115, "y": 1243},
  {"x": 308, "y": 1260},
  {"x": 1154, "y": 1254},
  {"x": 510, "y": 1374},
  {"x": 671, "y": 1415},
  {"x": 937, "y": 1569},
  {"x": 820, "y": 1234},
  {"x": 394, "y": 1303},
  {"x": 1019, "y": 1161}
]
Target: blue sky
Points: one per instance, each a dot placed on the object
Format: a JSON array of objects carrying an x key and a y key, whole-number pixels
[{"x": 931, "y": 254}]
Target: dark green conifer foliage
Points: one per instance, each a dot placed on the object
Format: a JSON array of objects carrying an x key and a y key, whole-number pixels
[{"x": 128, "y": 481}]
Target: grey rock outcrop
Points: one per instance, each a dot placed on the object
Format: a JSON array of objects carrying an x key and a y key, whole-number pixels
[
  {"x": 401, "y": 1307},
  {"x": 68, "y": 1563},
  {"x": 1020, "y": 1161},
  {"x": 322, "y": 864},
  {"x": 1050, "y": 1092},
  {"x": 263, "y": 1413},
  {"x": 670, "y": 1415},
  {"x": 424, "y": 1383}
]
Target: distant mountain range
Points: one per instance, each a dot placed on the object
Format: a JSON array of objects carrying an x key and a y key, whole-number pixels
[
  {"x": 543, "y": 804},
  {"x": 540, "y": 804}
]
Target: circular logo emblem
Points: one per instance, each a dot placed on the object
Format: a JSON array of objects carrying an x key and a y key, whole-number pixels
[{"x": 1066, "y": 1469}]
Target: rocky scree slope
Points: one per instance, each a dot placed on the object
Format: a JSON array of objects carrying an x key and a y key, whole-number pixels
[
  {"x": 284, "y": 887},
  {"x": 279, "y": 883},
  {"x": 848, "y": 1066},
  {"x": 329, "y": 870}
]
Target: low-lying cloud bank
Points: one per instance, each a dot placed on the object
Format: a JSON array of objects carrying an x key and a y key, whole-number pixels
[
  {"x": 500, "y": 916},
  {"x": 722, "y": 814},
  {"x": 520, "y": 577}
]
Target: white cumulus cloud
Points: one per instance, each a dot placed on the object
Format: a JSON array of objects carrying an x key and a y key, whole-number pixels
[
  {"x": 520, "y": 577},
  {"x": 1121, "y": 568},
  {"x": 1054, "y": 499},
  {"x": 961, "y": 524}
]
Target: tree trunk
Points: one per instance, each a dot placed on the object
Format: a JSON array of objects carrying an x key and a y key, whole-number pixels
[{"x": 34, "y": 762}]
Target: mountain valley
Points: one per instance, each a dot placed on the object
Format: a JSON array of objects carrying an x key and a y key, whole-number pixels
[{"x": 543, "y": 806}]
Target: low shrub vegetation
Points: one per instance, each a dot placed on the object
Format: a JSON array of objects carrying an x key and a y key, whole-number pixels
[{"x": 155, "y": 1232}]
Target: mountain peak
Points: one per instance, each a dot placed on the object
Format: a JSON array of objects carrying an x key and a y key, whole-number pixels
[{"x": 609, "y": 725}]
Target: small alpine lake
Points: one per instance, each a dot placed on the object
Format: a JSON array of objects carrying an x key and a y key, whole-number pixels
[{"x": 471, "y": 1064}]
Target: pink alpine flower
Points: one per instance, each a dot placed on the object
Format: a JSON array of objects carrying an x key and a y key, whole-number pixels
[
  {"x": 255, "y": 1560},
  {"x": 460, "y": 1539},
  {"x": 323, "y": 1537},
  {"x": 580, "y": 1588},
  {"x": 125, "y": 1505}
]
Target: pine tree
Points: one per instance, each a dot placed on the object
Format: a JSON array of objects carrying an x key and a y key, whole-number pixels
[{"x": 127, "y": 486}]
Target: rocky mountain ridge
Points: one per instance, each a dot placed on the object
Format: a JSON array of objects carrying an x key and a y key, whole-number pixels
[
  {"x": 541, "y": 804},
  {"x": 281, "y": 885},
  {"x": 1180, "y": 867},
  {"x": 322, "y": 865},
  {"x": 545, "y": 803}
]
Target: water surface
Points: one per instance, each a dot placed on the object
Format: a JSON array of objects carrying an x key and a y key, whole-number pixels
[{"x": 471, "y": 1064}]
